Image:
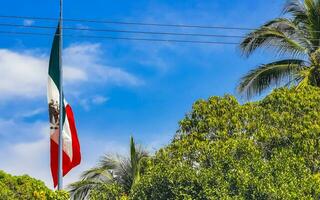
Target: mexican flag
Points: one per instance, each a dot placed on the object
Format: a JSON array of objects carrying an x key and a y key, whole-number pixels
[{"x": 71, "y": 146}]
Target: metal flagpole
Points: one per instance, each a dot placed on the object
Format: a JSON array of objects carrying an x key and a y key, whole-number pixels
[{"x": 60, "y": 152}]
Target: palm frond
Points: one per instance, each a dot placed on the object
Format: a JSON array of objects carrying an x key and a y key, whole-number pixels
[
  {"x": 279, "y": 34},
  {"x": 102, "y": 171},
  {"x": 297, "y": 35},
  {"x": 261, "y": 78},
  {"x": 302, "y": 78},
  {"x": 128, "y": 171},
  {"x": 97, "y": 173},
  {"x": 313, "y": 22},
  {"x": 133, "y": 155},
  {"x": 80, "y": 190},
  {"x": 92, "y": 178},
  {"x": 121, "y": 170},
  {"x": 125, "y": 174},
  {"x": 281, "y": 24},
  {"x": 108, "y": 162},
  {"x": 297, "y": 9}
]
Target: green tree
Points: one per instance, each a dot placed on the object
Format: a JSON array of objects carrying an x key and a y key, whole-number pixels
[
  {"x": 296, "y": 36},
  {"x": 25, "y": 187},
  {"x": 112, "y": 178},
  {"x": 266, "y": 150}
]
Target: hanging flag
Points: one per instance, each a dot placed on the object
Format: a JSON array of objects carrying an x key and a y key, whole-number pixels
[{"x": 71, "y": 146}]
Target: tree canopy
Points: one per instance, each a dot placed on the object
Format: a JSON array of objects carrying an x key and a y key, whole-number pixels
[
  {"x": 25, "y": 187},
  {"x": 224, "y": 150}
]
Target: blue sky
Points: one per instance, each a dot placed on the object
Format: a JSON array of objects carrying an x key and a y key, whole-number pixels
[{"x": 117, "y": 88}]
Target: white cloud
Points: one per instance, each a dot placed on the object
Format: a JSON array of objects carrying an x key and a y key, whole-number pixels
[
  {"x": 27, "y": 158},
  {"x": 88, "y": 57},
  {"x": 21, "y": 74},
  {"x": 28, "y": 22},
  {"x": 90, "y": 101},
  {"x": 98, "y": 100},
  {"x": 72, "y": 74},
  {"x": 82, "y": 26},
  {"x": 24, "y": 74},
  {"x": 30, "y": 113},
  {"x": 31, "y": 156},
  {"x": 23, "y": 129}
]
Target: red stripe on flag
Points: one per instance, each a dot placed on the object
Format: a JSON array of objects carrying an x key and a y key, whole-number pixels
[
  {"x": 76, "y": 158},
  {"x": 54, "y": 148},
  {"x": 67, "y": 163}
]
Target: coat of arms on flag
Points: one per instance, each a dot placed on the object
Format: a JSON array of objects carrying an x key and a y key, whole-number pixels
[{"x": 54, "y": 114}]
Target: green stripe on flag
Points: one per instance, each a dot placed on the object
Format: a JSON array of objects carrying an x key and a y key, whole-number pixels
[{"x": 54, "y": 62}]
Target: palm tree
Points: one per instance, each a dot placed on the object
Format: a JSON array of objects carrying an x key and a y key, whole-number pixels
[
  {"x": 110, "y": 169},
  {"x": 297, "y": 36}
]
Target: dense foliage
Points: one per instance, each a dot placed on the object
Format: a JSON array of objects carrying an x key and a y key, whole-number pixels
[
  {"x": 25, "y": 187},
  {"x": 111, "y": 191},
  {"x": 223, "y": 150}
]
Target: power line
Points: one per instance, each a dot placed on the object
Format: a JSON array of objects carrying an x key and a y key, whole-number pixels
[
  {"x": 126, "y": 23},
  {"x": 129, "y": 38},
  {"x": 136, "y": 23},
  {"x": 121, "y": 38},
  {"x": 123, "y": 31},
  {"x": 130, "y": 31}
]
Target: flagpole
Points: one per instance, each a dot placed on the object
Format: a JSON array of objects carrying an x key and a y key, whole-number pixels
[{"x": 60, "y": 152}]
